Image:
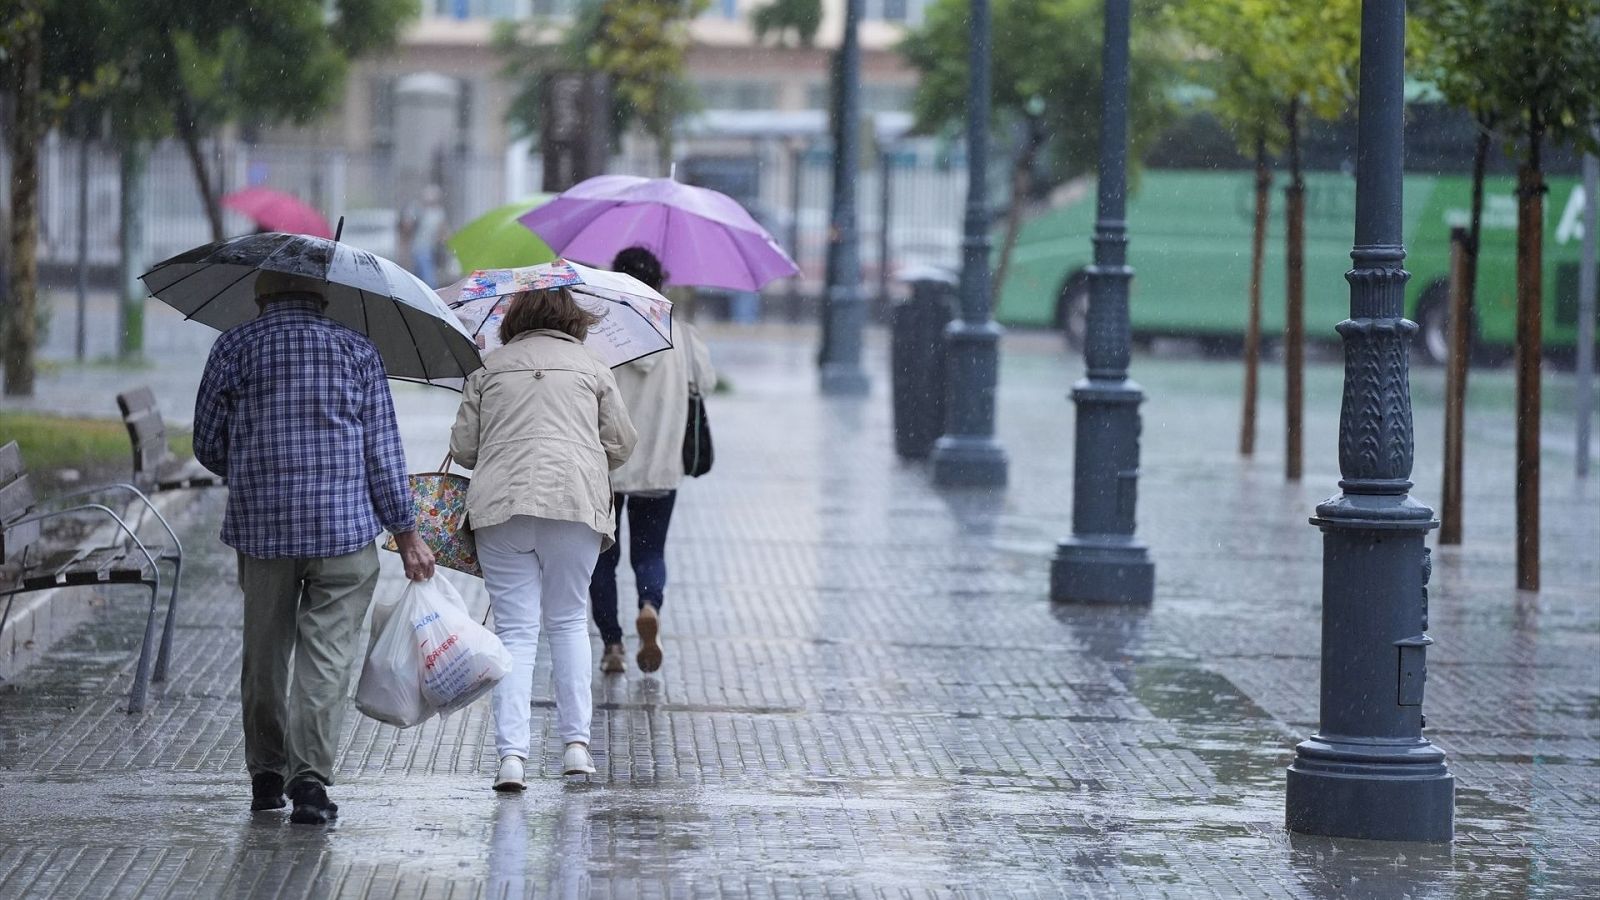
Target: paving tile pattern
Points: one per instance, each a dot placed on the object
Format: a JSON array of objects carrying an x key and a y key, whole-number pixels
[{"x": 867, "y": 693}]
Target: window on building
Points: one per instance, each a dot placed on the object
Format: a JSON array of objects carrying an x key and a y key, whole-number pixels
[
  {"x": 905, "y": 12},
  {"x": 727, "y": 94},
  {"x": 479, "y": 9},
  {"x": 556, "y": 9}
]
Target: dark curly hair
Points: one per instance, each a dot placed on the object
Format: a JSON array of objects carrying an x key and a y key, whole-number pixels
[{"x": 641, "y": 264}]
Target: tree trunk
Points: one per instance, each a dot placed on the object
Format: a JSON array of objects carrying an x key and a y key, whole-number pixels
[
  {"x": 1455, "y": 390},
  {"x": 188, "y": 129},
  {"x": 208, "y": 195},
  {"x": 1021, "y": 187},
  {"x": 1530, "y": 295},
  {"x": 1294, "y": 332},
  {"x": 131, "y": 213},
  {"x": 80, "y": 344},
  {"x": 1252, "y": 331},
  {"x": 21, "y": 319},
  {"x": 1480, "y": 162}
]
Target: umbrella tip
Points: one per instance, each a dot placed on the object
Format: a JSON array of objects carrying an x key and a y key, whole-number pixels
[
  {"x": 338, "y": 230},
  {"x": 672, "y": 171}
]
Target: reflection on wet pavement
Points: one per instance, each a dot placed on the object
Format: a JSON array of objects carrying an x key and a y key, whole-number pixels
[{"x": 867, "y": 693}]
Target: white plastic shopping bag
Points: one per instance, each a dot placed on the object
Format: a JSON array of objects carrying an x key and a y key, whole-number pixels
[
  {"x": 461, "y": 659},
  {"x": 390, "y": 689}
]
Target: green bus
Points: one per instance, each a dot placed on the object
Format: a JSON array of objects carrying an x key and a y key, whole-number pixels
[{"x": 1189, "y": 246}]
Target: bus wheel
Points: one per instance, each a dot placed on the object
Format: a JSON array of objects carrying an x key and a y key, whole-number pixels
[
  {"x": 1072, "y": 310},
  {"x": 1433, "y": 323}
]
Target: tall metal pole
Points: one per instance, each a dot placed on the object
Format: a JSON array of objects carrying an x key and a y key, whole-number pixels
[
  {"x": 81, "y": 336},
  {"x": 1583, "y": 399},
  {"x": 1103, "y": 562},
  {"x": 846, "y": 304},
  {"x": 968, "y": 454},
  {"x": 1368, "y": 772}
]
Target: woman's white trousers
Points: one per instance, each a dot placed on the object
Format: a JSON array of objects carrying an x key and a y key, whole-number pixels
[{"x": 537, "y": 573}]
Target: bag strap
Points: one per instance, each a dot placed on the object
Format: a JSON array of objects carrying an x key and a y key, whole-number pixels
[{"x": 444, "y": 466}]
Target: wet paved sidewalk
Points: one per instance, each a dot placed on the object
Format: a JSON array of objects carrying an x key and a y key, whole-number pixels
[{"x": 868, "y": 694}]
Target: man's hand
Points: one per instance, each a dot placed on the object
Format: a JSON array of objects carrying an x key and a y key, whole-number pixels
[{"x": 416, "y": 556}]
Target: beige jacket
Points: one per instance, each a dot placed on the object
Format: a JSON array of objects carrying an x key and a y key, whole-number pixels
[
  {"x": 655, "y": 390},
  {"x": 540, "y": 426}
]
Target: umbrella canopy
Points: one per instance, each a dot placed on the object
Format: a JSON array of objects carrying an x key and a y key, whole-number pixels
[
  {"x": 278, "y": 211},
  {"x": 496, "y": 240},
  {"x": 417, "y": 335},
  {"x": 637, "y": 321},
  {"x": 702, "y": 237}
]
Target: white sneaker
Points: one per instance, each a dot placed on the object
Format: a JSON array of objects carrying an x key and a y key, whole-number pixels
[
  {"x": 577, "y": 761},
  {"x": 511, "y": 776}
]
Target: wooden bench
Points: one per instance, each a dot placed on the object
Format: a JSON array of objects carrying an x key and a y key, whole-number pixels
[
  {"x": 155, "y": 466},
  {"x": 30, "y": 561}
]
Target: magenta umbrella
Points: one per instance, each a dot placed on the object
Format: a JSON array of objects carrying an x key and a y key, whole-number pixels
[
  {"x": 701, "y": 236},
  {"x": 277, "y": 211}
]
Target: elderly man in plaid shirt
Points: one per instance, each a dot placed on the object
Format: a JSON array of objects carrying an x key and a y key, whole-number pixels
[{"x": 295, "y": 410}]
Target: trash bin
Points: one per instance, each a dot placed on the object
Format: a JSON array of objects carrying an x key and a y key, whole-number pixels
[{"x": 916, "y": 359}]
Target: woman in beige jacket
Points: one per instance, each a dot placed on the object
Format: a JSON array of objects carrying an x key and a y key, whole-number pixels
[
  {"x": 541, "y": 425},
  {"x": 656, "y": 391}
]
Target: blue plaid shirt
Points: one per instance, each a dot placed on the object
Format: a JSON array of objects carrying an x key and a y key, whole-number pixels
[{"x": 294, "y": 409}]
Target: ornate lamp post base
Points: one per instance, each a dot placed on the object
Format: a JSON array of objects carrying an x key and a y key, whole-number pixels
[
  {"x": 968, "y": 454},
  {"x": 1102, "y": 569},
  {"x": 1103, "y": 562},
  {"x": 969, "y": 462},
  {"x": 844, "y": 379},
  {"x": 1369, "y": 773},
  {"x": 1389, "y": 791}
]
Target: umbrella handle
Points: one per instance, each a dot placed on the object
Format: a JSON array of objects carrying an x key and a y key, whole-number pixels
[{"x": 338, "y": 230}]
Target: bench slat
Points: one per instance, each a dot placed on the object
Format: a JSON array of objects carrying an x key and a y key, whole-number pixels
[{"x": 11, "y": 463}]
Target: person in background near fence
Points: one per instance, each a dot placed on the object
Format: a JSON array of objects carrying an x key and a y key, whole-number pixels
[
  {"x": 541, "y": 426},
  {"x": 427, "y": 240},
  {"x": 655, "y": 390},
  {"x": 295, "y": 410}
]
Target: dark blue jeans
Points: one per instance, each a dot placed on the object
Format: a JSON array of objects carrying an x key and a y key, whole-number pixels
[{"x": 648, "y": 518}]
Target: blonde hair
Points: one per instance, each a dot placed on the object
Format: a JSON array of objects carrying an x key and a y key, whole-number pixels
[{"x": 553, "y": 308}]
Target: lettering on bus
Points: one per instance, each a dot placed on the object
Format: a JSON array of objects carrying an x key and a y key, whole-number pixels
[
  {"x": 1499, "y": 213},
  {"x": 1327, "y": 200}
]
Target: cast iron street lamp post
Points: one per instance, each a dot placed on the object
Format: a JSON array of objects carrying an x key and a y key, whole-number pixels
[
  {"x": 1368, "y": 772},
  {"x": 968, "y": 455},
  {"x": 846, "y": 305},
  {"x": 1103, "y": 562}
]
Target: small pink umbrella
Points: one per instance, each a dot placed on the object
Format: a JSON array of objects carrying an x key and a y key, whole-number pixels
[
  {"x": 701, "y": 236},
  {"x": 277, "y": 211}
]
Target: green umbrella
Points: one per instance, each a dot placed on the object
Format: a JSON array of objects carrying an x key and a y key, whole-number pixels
[{"x": 496, "y": 240}]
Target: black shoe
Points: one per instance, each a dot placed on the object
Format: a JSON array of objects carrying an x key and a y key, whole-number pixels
[
  {"x": 311, "y": 803},
  {"x": 266, "y": 791}
]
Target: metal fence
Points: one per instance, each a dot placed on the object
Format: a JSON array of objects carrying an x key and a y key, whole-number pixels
[{"x": 788, "y": 188}]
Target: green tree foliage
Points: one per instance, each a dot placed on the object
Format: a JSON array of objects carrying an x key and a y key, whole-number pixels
[
  {"x": 1045, "y": 76},
  {"x": 780, "y": 17},
  {"x": 1530, "y": 68},
  {"x": 640, "y": 45},
  {"x": 188, "y": 67},
  {"x": 1046, "y": 63},
  {"x": 43, "y": 83}
]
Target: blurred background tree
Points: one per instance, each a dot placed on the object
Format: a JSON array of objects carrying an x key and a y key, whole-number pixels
[
  {"x": 1531, "y": 70},
  {"x": 1046, "y": 84},
  {"x": 640, "y": 45},
  {"x": 779, "y": 17}
]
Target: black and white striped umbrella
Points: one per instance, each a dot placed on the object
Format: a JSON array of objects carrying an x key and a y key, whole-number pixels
[{"x": 418, "y": 336}]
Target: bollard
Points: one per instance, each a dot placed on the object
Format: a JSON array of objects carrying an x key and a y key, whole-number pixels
[{"x": 917, "y": 360}]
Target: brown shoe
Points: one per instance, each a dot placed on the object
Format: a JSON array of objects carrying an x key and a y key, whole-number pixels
[
  {"x": 649, "y": 627},
  {"x": 614, "y": 658}
]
